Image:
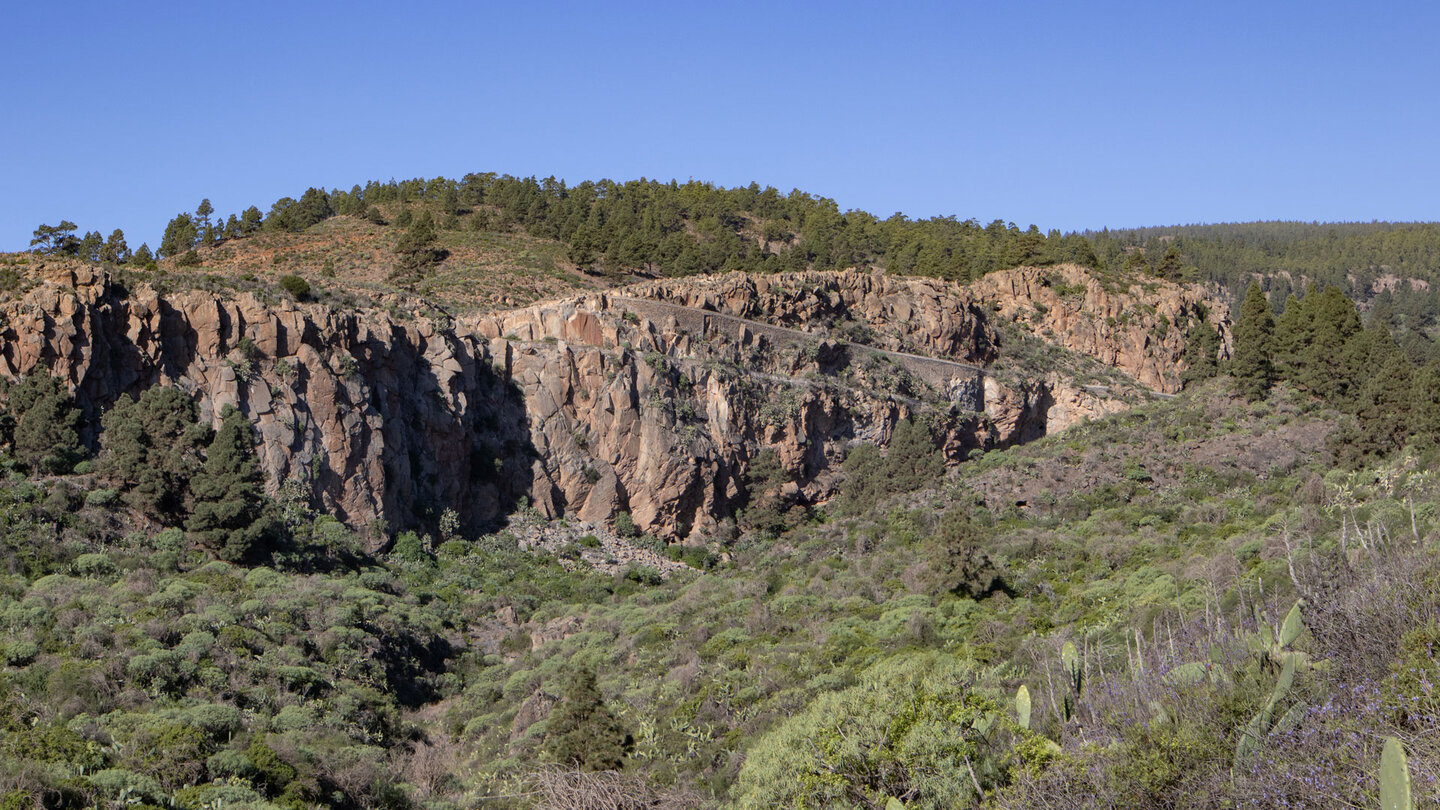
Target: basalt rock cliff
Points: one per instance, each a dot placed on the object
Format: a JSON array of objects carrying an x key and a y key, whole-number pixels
[{"x": 652, "y": 399}]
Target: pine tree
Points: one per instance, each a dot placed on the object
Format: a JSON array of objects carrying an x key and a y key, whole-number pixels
[
  {"x": 228, "y": 516},
  {"x": 180, "y": 236},
  {"x": 351, "y": 203},
  {"x": 1254, "y": 333},
  {"x": 1333, "y": 324},
  {"x": 313, "y": 208},
  {"x": 963, "y": 562},
  {"x": 415, "y": 251},
  {"x": 202, "y": 221},
  {"x": 56, "y": 240},
  {"x": 584, "y": 247},
  {"x": 151, "y": 448},
  {"x": 450, "y": 201},
  {"x": 1293, "y": 332},
  {"x": 1202, "y": 351},
  {"x": 912, "y": 461},
  {"x": 1383, "y": 402},
  {"x": 250, "y": 220},
  {"x": 581, "y": 732},
  {"x": 1171, "y": 265},
  {"x": 766, "y": 506},
  {"x": 47, "y": 438},
  {"x": 91, "y": 245},
  {"x": 1135, "y": 262},
  {"x": 1424, "y": 407},
  {"x": 115, "y": 250}
]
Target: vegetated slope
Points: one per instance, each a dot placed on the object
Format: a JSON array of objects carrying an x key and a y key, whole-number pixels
[
  {"x": 496, "y": 241},
  {"x": 493, "y": 240},
  {"x": 1392, "y": 268},
  {"x": 134, "y": 666},
  {"x": 854, "y": 629},
  {"x": 353, "y": 258}
]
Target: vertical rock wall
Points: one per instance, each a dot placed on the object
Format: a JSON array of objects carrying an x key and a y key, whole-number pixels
[{"x": 593, "y": 405}]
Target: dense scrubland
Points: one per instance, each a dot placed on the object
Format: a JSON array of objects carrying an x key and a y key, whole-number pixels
[
  {"x": 1224, "y": 599},
  {"x": 865, "y": 652}
]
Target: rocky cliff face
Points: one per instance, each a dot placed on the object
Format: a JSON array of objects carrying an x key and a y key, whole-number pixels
[
  {"x": 898, "y": 313},
  {"x": 1135, "y": 327},
  {"x": 661, "y": 418},
  {"x": 377, "y": 419},
  {"x": 653, "y": 400}
]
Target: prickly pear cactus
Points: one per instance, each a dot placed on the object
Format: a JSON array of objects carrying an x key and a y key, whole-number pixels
[
  {"x": 1394, "y": 777},
  {"x": 1291, "y": 627},
  {"x": 1022, "y": 706},
  {"x": 1071, "y": 659}
]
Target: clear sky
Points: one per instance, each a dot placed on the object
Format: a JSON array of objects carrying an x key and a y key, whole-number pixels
[{"x": 1067, "y": 115}]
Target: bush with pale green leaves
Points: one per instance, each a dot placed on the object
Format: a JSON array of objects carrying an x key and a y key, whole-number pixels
[{"x": 924, "y": 728}]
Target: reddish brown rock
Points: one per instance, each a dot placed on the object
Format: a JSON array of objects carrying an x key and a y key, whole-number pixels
[{"x": 651, "y": 400}]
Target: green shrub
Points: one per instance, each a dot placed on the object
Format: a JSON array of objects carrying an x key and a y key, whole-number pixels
[
  {"x": 694, "y": 556},
  {"x": 171, "y": 539},
  {"x": 229, "y": 764},
  {"x": 101, "y": 497},
  {"x": 272, "y": 772},
  {"x": 113, "y": 782},
  {"x": 409, "y": 548},
  {"x": 19, "y": 653},
  {"x": 296, "y": 286},
  {"x": 219, "y": 721},
  {"x": 914, "y": 726},
  {"x": 643, "y": 575},
  {"x": 292, "y": 718},
  {"x": 93, "y": 565},
  {"x": 625, "y": 526}
]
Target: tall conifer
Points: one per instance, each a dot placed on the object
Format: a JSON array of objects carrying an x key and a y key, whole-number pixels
[
  {"x": 1254, "y": 334},
  {"x": 47, "y": 437},
  {"x": 150, "y": 448},
  {"x": 1202, "y": 350},
  {"x": 581, "y": 731},
  {"x": 228, "y": 516}
]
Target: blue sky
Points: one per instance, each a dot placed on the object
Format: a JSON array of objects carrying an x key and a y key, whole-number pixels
[{"x": 1062, "y": 114}]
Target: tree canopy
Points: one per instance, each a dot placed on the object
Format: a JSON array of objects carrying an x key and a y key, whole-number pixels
[
  {"x": 56, "y": 240},
  {"x": 1254, "y": 330},
  {"x": 581, "y": 731},
  {"x": 229, "y": 515},
  {"x": 46, "y": 437}
]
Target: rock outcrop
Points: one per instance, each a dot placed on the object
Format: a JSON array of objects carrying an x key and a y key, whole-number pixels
[
  {"x": 905, "y": 314},
  {"x": 652, "y": 400},
  {"x": 661, "y": 419},
  {"x": 378, "y": 419},
  {"x": 1135, "y": 327},
  {"x": 1138, "y": 327}
]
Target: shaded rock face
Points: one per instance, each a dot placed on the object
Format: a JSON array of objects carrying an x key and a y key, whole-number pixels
[
  {"x": 634, "y": 415},
  {"x": 378, "y": 420},
  {"x": 652, "y": 401}
]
